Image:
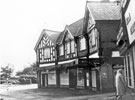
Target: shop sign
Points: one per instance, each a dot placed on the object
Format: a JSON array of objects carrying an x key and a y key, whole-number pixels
[
  {"x": 130, "y": 21},
  {"x": 93, "y": 41}
]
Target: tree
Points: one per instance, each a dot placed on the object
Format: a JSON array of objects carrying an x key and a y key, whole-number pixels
[
  {"x": 30, "y": 70},
  {"x": 6, "y": 71},
  {"x": 28, "y": 73}
]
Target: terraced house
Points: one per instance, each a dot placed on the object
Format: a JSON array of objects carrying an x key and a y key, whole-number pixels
[
  {"x": 46, "y": 58},
  {"x": 68, "y": 56},
  {"x": 84, "y": 55},
  {"x": 126, "y": 42}
]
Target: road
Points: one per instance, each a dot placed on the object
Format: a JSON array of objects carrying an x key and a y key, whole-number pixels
[{"x": 31, "y": 92}]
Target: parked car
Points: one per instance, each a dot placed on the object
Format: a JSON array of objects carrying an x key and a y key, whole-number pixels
[{"x": 13, "y": 81}]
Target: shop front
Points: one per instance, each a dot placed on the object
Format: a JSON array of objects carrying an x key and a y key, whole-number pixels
[
  {"x": 74, "y": 74},
  {"x": 46, "y": 75},
  {"x": 126, "y": 42},
  {"x": 67, "y": 73}
]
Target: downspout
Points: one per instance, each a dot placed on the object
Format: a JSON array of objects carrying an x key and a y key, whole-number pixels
[{"x": 56, "y": 67}]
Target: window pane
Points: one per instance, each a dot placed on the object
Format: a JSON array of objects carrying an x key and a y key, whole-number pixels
[
  {"x": 82, "y": 43},
  {"x": 68, "y": 47},
  {"x": 47, "y": 52},
  {"x": 61, "y": 50},
  {"x": 72, "y": 47}
]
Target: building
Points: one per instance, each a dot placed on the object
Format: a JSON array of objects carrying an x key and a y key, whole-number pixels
[
  {"x": 102, "y": 20},
  {"x": 85, "y": 54},
  {"x": 67, "y": 65},
  {"x": 46, "y": 58},
  {"x": 126, "y": 41}
]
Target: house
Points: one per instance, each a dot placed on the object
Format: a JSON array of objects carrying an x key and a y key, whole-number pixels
[
  {"x": 68, "y": 56},
  {"x": 46, "y": 58},
  {"x": 126, "y": 42},
  {"x": 101, "y": 24}
]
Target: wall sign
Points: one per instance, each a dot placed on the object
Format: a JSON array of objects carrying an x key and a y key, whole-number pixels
[
  {"x": 130, "y": 21},
  {"x": 93, "y": 41}
]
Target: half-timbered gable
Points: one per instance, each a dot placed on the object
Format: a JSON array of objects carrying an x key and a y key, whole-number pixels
[
  {"x": 100, "y": 28},
  {"x": 67, "y": 45},
  {"x": 80, "y": 39},
  {"x": 45, "y": 47}
]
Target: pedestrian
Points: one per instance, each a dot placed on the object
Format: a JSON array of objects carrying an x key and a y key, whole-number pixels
[{"x": 120, "y": 85}]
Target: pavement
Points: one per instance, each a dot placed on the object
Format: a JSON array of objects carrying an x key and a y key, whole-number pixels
[{"x": 31, "y": 92}]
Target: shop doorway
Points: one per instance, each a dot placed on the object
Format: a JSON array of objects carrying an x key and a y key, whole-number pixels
[{"x": 44, "y": 80}]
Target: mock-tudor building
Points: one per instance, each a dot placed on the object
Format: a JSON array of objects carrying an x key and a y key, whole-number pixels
[
  {"x": 85, "y": 53},
  {"x": 101, "y": 24},
  {"x": 46, "y": 58},
  {"x": 126, "y": 42},
  {"x": 67, "y": 65}
]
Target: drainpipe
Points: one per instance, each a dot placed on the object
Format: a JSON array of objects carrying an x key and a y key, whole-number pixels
[{"x": 56, "y": 67}]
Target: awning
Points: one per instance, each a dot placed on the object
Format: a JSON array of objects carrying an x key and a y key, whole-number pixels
[
  {"x": 46, "y": 65},
  {"x": 65, "y": 62},
  {"x": 117, "y": 61},
  {"x": 46, "y": 68},
  {"x": 68, "y": 63},
  {"x": 95, "y": 55}
]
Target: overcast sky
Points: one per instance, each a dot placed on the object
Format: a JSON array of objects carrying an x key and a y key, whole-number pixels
[{"x": 21, "y": 23}]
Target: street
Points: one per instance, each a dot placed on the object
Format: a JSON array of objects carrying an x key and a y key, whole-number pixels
[{"x": 31, "y": 92}]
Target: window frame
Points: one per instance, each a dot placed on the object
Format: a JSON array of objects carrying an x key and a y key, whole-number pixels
[
  {"x": 61, "y": 50},
  {"x": 82, "y": 43}
]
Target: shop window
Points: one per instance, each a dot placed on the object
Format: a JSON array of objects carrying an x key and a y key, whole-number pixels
[
  {"x": 52, "y": 78},
  {"x": 80, "y": 77},
  {"x": 129, "y": 64},
  {"x": 64, "y": 77},
  {"x": 94, "y": 79}
]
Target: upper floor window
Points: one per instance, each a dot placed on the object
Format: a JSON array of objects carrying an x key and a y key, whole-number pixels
[
  {"x": 47, "y": 53},
  {"x": 82, "y": 43},
  {"x": 61, "y": 50},
  {"x": 68, "y": 47},
  {"x": 72, "y": 46}
]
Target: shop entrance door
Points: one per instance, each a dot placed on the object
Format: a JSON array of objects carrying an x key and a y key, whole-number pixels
[
  {"x": 44, "y": 80},
  {"x": 72, "y": 78}
]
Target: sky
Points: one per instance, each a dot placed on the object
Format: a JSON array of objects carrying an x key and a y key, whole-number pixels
[{"x": 22, "y": 21}]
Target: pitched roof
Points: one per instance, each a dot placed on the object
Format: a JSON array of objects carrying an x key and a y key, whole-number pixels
[
  {"x": 61, "y": 36},
  {"x": 52, "y": 35},
  {"x": 74, "y": 28},
  {"x": 104, "y": 10}
]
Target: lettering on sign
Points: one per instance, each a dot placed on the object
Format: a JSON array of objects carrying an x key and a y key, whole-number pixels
[
  {"x": 93, "y": 40},
  {"x": 132, "y": 28},
  {"x": 128, "y": 19}
]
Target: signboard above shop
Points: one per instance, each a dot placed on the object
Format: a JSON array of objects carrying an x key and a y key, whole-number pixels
[{"x": 130, "y": 21}]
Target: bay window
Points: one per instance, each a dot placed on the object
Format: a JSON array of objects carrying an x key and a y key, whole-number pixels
[
  {"x": 61, "y": 50},
  {"x": 68, "y": 47},
  {"x": 72, "y": 46},
  {"x": 82, "y": 43}
]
